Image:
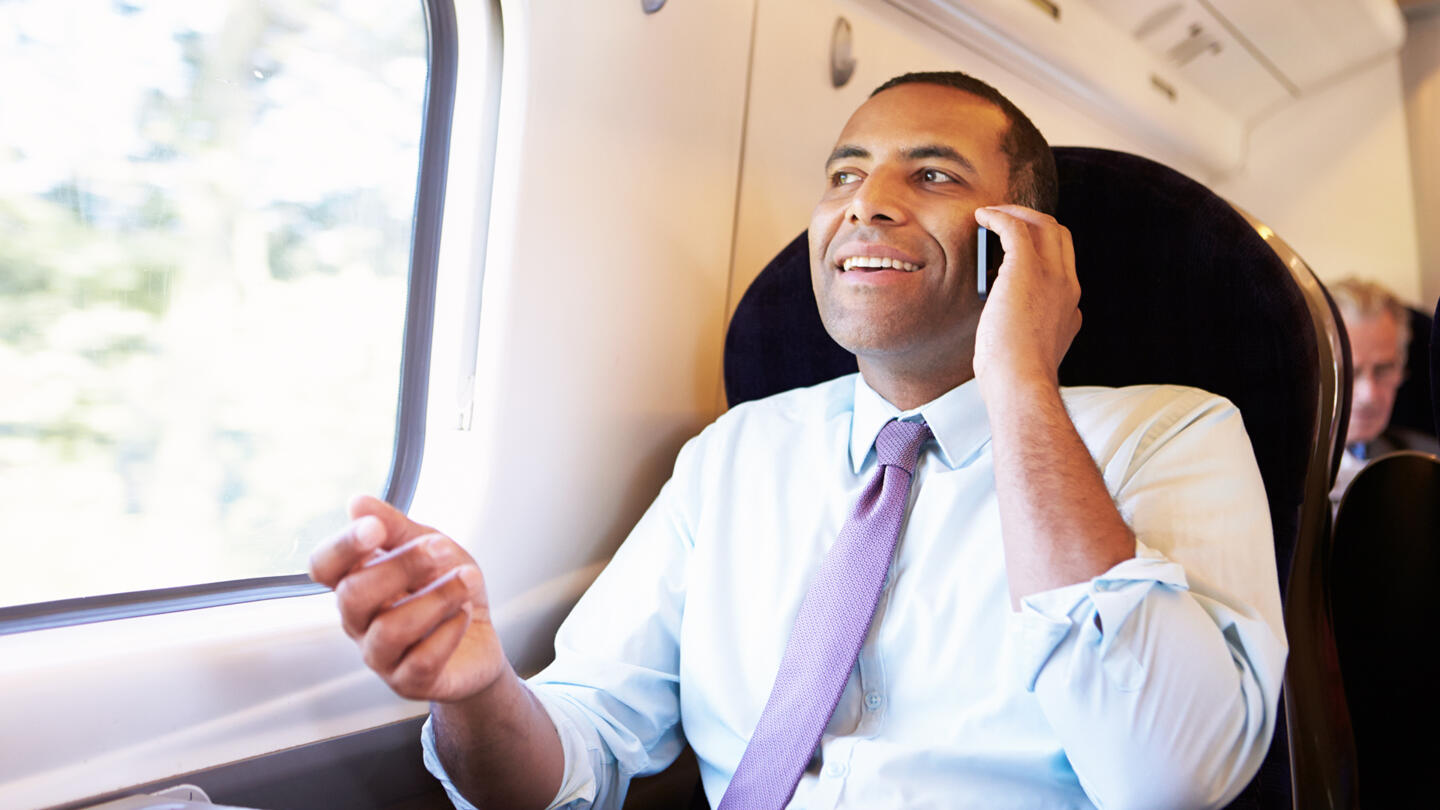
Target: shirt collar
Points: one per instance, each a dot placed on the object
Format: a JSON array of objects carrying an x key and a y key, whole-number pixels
[{"x": 957, "y": 419}]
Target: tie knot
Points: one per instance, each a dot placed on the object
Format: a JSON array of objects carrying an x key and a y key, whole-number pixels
[{"x": 899, "y": 443}]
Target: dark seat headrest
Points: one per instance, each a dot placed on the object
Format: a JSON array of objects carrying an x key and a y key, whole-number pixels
[{"x": 1413, "y": 407}]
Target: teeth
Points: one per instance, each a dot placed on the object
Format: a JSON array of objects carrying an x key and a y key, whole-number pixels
[{"x": 878, "y": 263}]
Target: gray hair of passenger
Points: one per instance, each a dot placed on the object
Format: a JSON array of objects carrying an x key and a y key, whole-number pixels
[
  {"x": 1033, "y": 180},
  {"x": 1361, "y": 300}
]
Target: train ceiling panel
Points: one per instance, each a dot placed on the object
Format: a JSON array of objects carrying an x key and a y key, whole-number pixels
[
  {"x": 1188, "y": 74},
  {"x": 1295, "y": 45}
]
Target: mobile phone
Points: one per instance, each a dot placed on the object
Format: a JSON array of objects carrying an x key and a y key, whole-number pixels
[{"x": 988, "y": 256}]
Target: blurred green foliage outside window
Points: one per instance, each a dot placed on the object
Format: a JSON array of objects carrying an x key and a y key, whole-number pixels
[{"x": 205, "y": 220}]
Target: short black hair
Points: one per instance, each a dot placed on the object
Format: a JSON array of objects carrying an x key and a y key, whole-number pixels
[{"x": 1033, "y": 182}]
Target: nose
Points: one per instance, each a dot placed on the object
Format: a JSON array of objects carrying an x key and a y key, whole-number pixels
[
  {"x": 879, "y": 200},
  {"x": 1363, "y": 391}
]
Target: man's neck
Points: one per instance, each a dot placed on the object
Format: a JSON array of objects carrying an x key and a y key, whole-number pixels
[{"x": 910, "y": 388}]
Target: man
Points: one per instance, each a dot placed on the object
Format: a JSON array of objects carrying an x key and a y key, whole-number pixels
[
  {"x": 1378, "y": 328},
  {"x": 1032, "y": 644}
]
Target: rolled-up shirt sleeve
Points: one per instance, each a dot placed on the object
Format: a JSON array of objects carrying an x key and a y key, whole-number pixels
[
  {"x": 581, "y": 779},
  {"x": 1162, "y": 676}
]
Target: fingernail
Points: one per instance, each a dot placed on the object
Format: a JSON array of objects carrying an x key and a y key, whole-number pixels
[
  {"x": 470, "y": 575},
  {"x": 435, "y": 548},
  {"x": 369, "y": 532}
]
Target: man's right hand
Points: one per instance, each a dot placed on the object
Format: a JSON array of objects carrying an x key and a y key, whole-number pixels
[{"x": 414, "y": 601}]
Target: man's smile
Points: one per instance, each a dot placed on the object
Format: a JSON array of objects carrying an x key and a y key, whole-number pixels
[
  {"x": 874, "y": 262},
  {"x": 875, "y": 257}
]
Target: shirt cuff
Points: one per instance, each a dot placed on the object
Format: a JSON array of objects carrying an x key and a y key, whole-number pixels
[
  {"x": 432, "y": 764},
  {"x": 580, "y": 786},
  {"x": 1097, "y": 610},
  {"x": 576, "y": 791}
]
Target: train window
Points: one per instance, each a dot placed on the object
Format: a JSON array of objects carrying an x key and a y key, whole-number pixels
[{"x": 206, "y": 221}]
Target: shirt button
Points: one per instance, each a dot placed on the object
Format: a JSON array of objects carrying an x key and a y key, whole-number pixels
[
  {"x": 835, "y": 769},
  {"x": 872, "y": 700}
]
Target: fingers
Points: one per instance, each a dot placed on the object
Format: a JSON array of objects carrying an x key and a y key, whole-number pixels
[
  {"x": 1069, "y": 256},
  {"x": 1033, "y": 312},
  {"x": 407, "y": 595},
  {"x": 374, "y": 525},
  {"x": 411, "y": 641},
  {"x": 1020, "y": 212},
  {"x": 1020, "y": 227},
  {"x": 420, "y": 668},
  {"x": 399, "y": 528},
  {"x": 386, "y": 580},
  {"x": 334, "y": 557}
]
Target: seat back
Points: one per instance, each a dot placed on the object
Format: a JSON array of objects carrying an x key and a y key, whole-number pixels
[
  {"x": 1386, "y": 562},
  {"x": 1178, "y": 286},
  {"x": 1413, "y": 408},
  {"x": 1435, "y": 367}
]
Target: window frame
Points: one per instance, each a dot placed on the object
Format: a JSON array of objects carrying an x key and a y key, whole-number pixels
[{"x": 442, "y": 43}]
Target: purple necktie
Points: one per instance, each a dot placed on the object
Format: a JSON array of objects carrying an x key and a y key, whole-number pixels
[{"x": 832, "y": 623}]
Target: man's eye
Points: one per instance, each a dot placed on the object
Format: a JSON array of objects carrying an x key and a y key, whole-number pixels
[
  {"x": 935, "y": 176},
  {"x": 843, "y": 178},
  {"x": 1388, "y": 372}
]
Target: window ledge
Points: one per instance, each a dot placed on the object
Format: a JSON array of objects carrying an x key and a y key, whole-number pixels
[{"x": 95, "y": 708}]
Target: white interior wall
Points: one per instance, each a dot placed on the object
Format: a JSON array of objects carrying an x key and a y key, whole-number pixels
[
  {"x": 1331, "y": 175},
  {"x": 1420, "y": 73},
  {"x": 602, "y": 306}
]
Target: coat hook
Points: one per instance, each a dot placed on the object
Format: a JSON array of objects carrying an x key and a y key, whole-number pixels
[
  {"x": 651, "y": 6},
  {"x": 842, "y": 59}
]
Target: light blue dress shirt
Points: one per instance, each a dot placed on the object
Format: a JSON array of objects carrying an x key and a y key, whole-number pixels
[{"x": 956, "y": 700}]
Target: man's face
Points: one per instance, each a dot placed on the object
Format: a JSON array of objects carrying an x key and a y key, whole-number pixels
[
  {"x": 1379, "y": 370},
  {"x": 906, "y": 176}
]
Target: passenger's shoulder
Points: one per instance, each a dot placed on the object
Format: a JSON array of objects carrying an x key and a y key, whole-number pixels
[
  {"x": 797, "y": 406},
  {"x": 759, "y": 428},
  {"x": 1145, "y": 416},
  {"x": 1152, "y": 399},
  {"x": 1406, "y": 439}
]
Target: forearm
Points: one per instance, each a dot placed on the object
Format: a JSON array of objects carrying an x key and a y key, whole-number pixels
[
  {"x": 500, "y": 748},
  {"x": 1057, "y": 519}
]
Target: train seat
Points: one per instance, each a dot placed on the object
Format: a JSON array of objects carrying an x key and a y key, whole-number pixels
[
  {"x": 1413, "y": 400},
  {"x": 1386, "y": 561},
  {"x": 1178, "y": 286}
]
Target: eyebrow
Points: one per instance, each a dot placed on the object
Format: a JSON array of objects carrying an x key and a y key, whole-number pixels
[
  {"x": 924, "y": 152},
  {"x": 846, "y": 151},
  {"x": 936, "y": 150}
]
